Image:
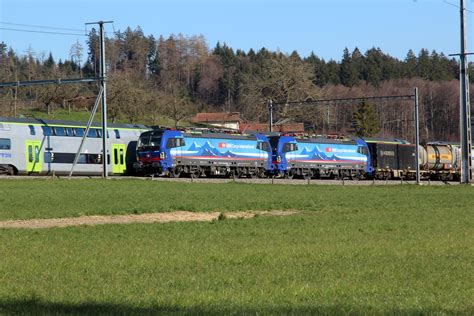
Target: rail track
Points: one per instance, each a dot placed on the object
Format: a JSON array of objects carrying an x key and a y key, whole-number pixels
[{"x": 275, "y": 181}]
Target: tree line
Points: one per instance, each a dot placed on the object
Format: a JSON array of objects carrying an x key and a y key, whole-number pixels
[{"x": 150, "y": 78}]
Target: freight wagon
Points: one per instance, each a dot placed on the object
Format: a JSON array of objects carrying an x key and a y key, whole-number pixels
[
  {"x": 392, "y": 158},
  {"x": 202, "y": 153},
  {"x": 35, "y": 146}
]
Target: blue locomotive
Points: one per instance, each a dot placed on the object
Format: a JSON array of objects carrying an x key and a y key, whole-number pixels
[
  {"x": 318, "y": 157},
  {"x": 202, "y": 153}
]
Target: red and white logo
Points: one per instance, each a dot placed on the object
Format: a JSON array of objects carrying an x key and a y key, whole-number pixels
[
  {"x": 222, "y": 145},
  {"x": 328, "y": 149}
]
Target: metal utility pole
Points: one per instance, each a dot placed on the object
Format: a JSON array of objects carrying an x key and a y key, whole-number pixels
[
  {"x": 465, "y": 110},
  {"x": 270, "y": 111},
  {"x": 103, "y": 84},
  {"x": 417, "y": 137},
  {"x": 104, "y": 99}
]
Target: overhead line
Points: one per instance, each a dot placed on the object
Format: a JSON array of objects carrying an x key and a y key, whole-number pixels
[
  {"x": 44, "y": 32},
  {"x": 405, "y": 97},
  {"x": 42, "y": 26}
]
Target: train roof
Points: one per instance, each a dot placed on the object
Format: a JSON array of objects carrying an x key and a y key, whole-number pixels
[
  {"x": 34, "y": 121},
  {"x": 323, "y": 140},
  {"x": 385, "y": 140},
  {"x": 204, "y": 134}
]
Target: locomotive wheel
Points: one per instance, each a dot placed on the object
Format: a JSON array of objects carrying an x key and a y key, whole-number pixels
[
  {"x": 253, "y": 174},
  {"x": 289, "y": 175},
  {"x": 175, "y": 173},
  {"x": 307, "y": 175}
]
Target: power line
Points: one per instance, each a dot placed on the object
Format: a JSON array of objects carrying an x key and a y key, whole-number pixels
[
  {"x": 43, "y": 32},
  {"x": 456, "y": 6},
  {"x": 42, "y": 26}
]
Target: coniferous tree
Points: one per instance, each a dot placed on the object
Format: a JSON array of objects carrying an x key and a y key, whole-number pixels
[{"x": 365, "y": 121}]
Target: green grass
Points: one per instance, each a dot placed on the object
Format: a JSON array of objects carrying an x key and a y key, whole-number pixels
[
  {"x": 353, "y": 250},
  {"x": 46, "y": 198}
]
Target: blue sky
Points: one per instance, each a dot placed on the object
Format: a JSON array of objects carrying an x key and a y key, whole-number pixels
[{"x": 323, "y": 26}]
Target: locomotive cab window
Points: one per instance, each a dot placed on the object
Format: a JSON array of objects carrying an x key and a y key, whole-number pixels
[
  {"x": 171, "y": 143},
  {"x": 287, "y": 147},
  {"x": 174, "y": 142},
  {"x": 5, "y": 143},
  {"x": 117, "y": 133},
  {"x": 362, "y": 150},
  {"x": 263, "y": 146}
]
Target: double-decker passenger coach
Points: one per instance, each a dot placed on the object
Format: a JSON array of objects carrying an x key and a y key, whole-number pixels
[{"x": 36, "y": 146}]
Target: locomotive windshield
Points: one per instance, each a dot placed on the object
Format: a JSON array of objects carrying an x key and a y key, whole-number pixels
[{"x": 149, "y": 142}]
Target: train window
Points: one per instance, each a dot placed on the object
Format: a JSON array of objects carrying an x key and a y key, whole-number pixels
[
  {"x": 59, "y": 131},
  {"x": 5, "y": 143},
  {"x": 155, "y": 141},
  {"x": 92, "y": 133},
  {"x": 362, "y": 150},
  {"x": 46, "y": 131},
  {"x": 78, "y": 132},
  {"x": 69, "y": 158},
  {"x": 181, "y": 142},
  {"x": 30, "y": 153},
  {"x": 69, "y": 131},
  {"x": 32, "y": 130},
  {"x": 287, "y": 147},
  {"x": 121, "y": 156},
  {"x": 99, "y": 133},
  {"x": 115, "y": 156},
  {"x": 117, "y": 133},
  {"x": 263, "y": 146},
  {"x": 37, "y": 153},
  {"x": 171, "y": 143}
]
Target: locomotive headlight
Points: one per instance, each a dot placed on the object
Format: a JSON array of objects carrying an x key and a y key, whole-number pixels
[
  {"x": 162, "y": 155},
  {"x": 278, "y": 158}
]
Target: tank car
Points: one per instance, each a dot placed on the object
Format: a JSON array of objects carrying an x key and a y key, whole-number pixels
[{"x": 443, "y": 160}]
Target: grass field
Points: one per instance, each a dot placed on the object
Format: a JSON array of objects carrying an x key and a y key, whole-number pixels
[{"x": 352, "y": 250}]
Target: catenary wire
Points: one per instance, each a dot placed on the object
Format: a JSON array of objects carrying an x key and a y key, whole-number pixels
[
  {"x": 41, "y": 26},
  {"x": 44, "y": 32}
]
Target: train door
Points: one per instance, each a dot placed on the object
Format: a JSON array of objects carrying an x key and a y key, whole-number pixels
[
  {"x": 33, "y": 156},
  {"x": 118, "y": 159}
]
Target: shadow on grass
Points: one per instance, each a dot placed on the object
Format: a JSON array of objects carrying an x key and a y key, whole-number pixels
[{"x": 35, "y": 307}]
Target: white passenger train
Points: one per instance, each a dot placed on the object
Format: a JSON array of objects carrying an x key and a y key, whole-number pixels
[{"x": 36, "y": 146}]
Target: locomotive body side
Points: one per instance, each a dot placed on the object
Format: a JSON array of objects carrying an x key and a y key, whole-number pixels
[
  {"x": 320, "y": 157},
  {"x": 207, "y": 154}
]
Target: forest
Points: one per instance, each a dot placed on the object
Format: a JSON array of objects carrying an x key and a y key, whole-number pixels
[{"x": 150, "y": 79}]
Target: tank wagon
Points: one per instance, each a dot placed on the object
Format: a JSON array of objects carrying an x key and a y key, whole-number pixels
[
  {"x": 318, "y": 157},
  {"x": 441, "y": 160},
  {"x": 35, "y": 146},
  {"x": 202, "y": 153}
]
